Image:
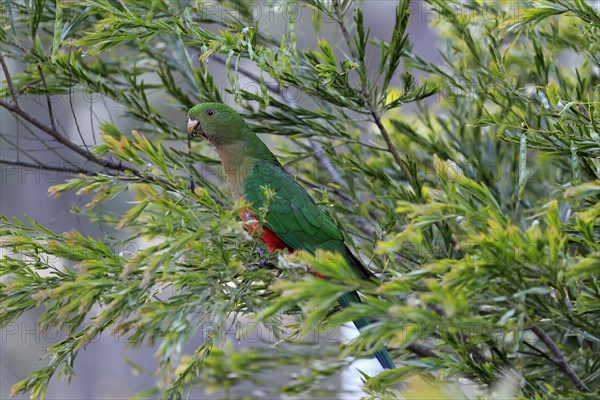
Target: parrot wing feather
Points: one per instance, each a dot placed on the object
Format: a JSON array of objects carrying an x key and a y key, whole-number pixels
[{"x": 291, "y": 213}]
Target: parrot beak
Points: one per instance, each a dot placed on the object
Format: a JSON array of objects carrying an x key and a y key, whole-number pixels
[{"x": 194, "y": 128}]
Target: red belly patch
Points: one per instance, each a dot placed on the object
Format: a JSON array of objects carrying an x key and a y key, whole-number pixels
[{"x": 272, "y": 241}]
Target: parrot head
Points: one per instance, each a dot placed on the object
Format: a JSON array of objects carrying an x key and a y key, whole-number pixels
[{"x": 216, "y": 122}]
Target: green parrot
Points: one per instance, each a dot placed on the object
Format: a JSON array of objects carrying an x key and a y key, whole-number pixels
[{"x": 293, "y": 220}]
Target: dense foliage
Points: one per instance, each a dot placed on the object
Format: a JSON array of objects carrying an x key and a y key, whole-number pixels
[{"x": 478, "y": 208}]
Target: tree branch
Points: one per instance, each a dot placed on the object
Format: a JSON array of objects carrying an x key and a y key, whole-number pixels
[
  {"x": 372, "y": 110},
  {"x": 50, "y": 113},
  {"x": 46, "y": 167},
  {"x": 82, "y": 152},
  {"x": 538, "y": 352},
  {"x": 26, "y": 153},
  {"x": 392, "y": 149},
  {"x": 9, "y": 82},
  {"x": 53, "y": 150},
  {"x": 345, "y": 33},
  {"x": 559, "y": 358},
  {"x": 421, "y": 351},
  {"x": 84, "y": 171},
  {"x": 55, "y": 134},
  {"x": 461, "y": 337},
  {"x": 324, "y": 163},
  {"x": 71, "y": 104}
]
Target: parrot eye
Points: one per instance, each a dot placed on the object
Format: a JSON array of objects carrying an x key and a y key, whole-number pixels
[{"x": 210, "y": 112}]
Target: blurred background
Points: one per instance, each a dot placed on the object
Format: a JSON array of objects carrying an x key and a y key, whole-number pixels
[{"x": 106, "y": 368}]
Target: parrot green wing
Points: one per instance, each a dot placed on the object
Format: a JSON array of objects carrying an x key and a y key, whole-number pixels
[{"x": 291, "y": 213}]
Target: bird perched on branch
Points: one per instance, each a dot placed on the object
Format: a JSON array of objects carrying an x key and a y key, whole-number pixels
[{"x": 293, "y": 220}]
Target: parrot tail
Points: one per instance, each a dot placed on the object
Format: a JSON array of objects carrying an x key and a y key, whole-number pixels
[
  {"x": 382, "y": 355},
  {"x": 346, "y": 300}
]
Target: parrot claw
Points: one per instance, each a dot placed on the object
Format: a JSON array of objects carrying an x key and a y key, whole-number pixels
[{"x": 261, "y": 251}]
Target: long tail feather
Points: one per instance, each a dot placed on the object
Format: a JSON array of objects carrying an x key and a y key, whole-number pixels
[{"x": 382, "y": 354}]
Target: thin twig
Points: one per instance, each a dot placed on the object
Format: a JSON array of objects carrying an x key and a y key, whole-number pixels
[
  {"x": 74, "y": 147},
  {"x": 73, "y": 108},
  {"x": 372, "y": 110},
  {"x": 390, "y": 145},
  {"x": 53, "y": 133},
  {"x": 108, "y": 164},
  {"x": 26, "y": 153},
  {"x": 342, "y": 25},
  {"x": 537, "y": 353},
  {"x": 528, "y": 353},
  {"x": 421, "y": 351},
  {"x": 18, "y": 138},
  {"x": 249, "y": 74},
  {"x": 478, "y": 357},
  {"x": 559, "y": 358},
  {"x": 191, "y": 164},
  {"x": 324, "y": 164},
  {"x": 50, "y": 113},
  {"x": 126, "y": 177},
  {"x": 370, "y": 146},
  {"x": 75, "y": 119},
  {"x": 107, "y": 108},
  {"x": 14, "y": 147},
  {"x": 9, "y": 82},
  {"x": 46, "y": 167},
  {"x": 92, "y": 115},
  {"x": 84, "y": 171}
]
